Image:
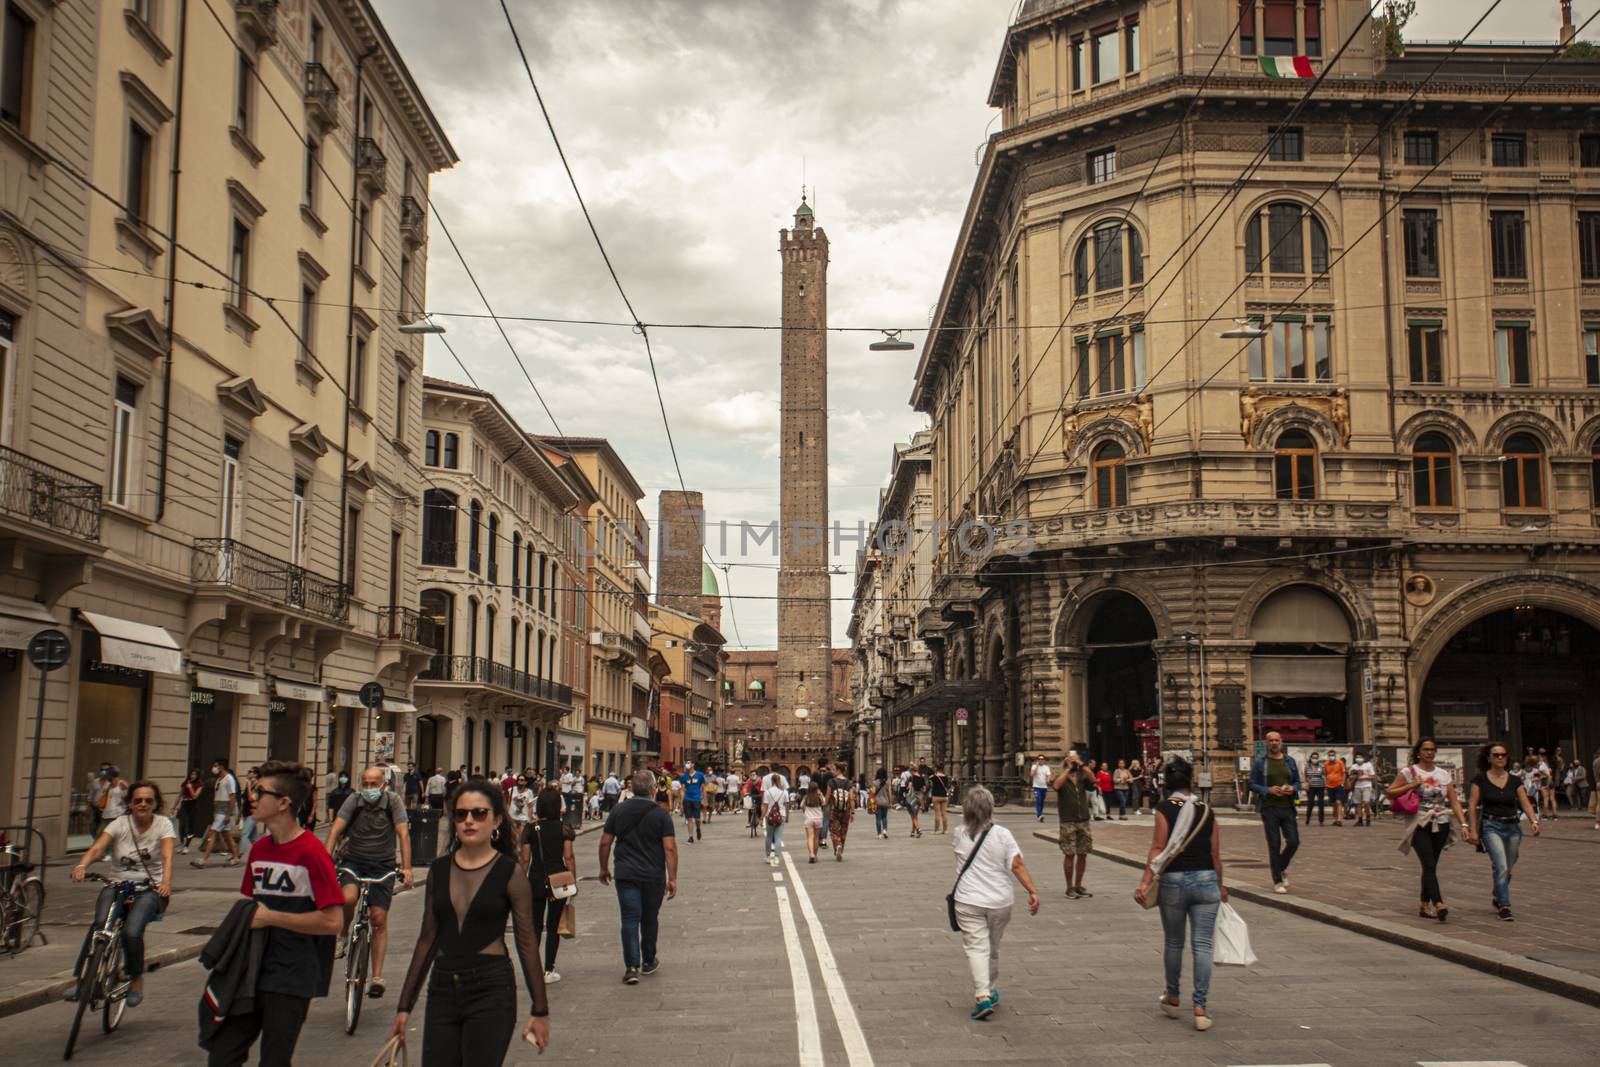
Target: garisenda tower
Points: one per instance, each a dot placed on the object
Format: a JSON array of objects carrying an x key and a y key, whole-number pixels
[{"x": 804, "y": 665}]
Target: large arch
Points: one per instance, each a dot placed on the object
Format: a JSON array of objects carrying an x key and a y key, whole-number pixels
[
  {"x": 1076, "y": 613},
  {"x": 1304, "y": 667},
  {"x": 1120, "y": 677},
  {"x": 1351, "y": 599}
]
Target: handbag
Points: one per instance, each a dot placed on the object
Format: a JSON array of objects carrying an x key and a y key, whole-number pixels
[
  {"x": 1231, "y": 940},
  {"x": 1407, "y": 803},
  {"x": 563, "y": 883},
  {"x": 392, "y": 1054},
  {"x": 950, "y": 897},
  {"x": 1152, "y": 895},
  {"x": 567, "y": 924}
]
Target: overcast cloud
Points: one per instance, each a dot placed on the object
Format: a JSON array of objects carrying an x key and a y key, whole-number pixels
[{"x": 689, "y": 124}]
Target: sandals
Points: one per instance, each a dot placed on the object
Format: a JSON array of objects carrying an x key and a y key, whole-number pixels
[{"x": 1426, "y": 911}]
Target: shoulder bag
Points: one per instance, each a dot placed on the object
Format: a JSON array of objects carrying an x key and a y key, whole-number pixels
[
  {"x": 563, "y": 883},
  {"x": 1408, "y": 803},
  {"x": 950, "y": 897},
  {"x": 1153, "y": 896}
]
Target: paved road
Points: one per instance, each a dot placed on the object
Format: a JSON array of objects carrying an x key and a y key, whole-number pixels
[{"x": 741, "y": 950}]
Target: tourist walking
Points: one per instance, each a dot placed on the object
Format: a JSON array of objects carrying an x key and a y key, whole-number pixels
[
  {"x": 1074, "y": 787},
  {"x": 547, "y": 853},
  {"x": 1138, "y": 784},
  {"x": 987, "y": 857},
  {"x": 1097, "y": 799},
  {"x": 911, "y": 797},
  {"x": 841, "y": 809},
  {"x": 372, "y": 826},
  {"x": 472, "y": 991},
  {"x": 939, "y": 795},
  {"x": 187, "y": 815},
  {"x": 647, "y": 872},
  {"x": 1316, "y": 789},
  {"x": 225, "y": 806},
  {"x": 882, "y": 801},
  {"x": 811, "y": 806},
  {"x": 1121, "y": 783},
  {"x": 774, "y": 805},
  {"x": 1334, "y": 773},
  {"x": 1275, "y": 781},
  {"x": 520, "y": 801},
  {"x": 1428, "y": 830},
  {"x": 1496, "y": 803},
  {"x": 1039, "y": 778},
  {"x": 1366, "y": 777},
  {"x": 435, "y": 789},
  {"x": 1186, "y": 857}
]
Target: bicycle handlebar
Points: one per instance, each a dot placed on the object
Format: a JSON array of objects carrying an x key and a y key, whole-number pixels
[{"x": 370, "y": 881}]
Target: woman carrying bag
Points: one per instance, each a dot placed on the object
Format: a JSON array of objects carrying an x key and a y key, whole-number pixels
[
  {"x": 1425, "y": 795},
  {"x": 1186, "y": 856},
  {"x": 980, "y": 903},
  {"x": 552, "y": 871}
]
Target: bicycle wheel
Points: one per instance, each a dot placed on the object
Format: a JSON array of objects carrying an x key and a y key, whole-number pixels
[
  {"x": 1002, "y": 795},
  {"x": 355, "y": 984},
  {"x": 86, "y": 994},
  {"x": 30, "y": 906},
  {"x": 114, "y": 988}
]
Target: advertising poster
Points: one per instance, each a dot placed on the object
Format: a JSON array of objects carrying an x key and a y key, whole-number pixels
[{"x": 383, "y": 747}]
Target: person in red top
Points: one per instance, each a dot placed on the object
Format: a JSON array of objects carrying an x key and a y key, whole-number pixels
[
  {"x": 291, "y": 878},
  {"x": 1103, "y": 782}
]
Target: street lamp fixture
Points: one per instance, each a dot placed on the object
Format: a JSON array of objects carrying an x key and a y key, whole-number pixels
[
  {"x": 892, "y": 342},
  {"x": 1244, "y": 331},
  {"x": 424, "y": 325}
]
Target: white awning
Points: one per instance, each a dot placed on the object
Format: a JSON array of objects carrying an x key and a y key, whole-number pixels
[
  {"x": 299, "y": 690},
  {"x": 403, "y": 707},
  {"x": 135, "y": 644},
  {"x": 227, "y": 683},
  {"x": 341, "y": 699},
  {"x": 20, "y": 620},
  {"x": 1298, "y": 676}
]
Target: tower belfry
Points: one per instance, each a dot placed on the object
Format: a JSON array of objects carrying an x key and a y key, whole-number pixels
[{"x": 805, "y": 659}]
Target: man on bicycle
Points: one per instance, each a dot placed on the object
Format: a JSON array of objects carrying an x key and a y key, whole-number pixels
[{"x": 371, "y": 824}]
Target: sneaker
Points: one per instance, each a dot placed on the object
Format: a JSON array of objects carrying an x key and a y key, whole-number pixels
[
  {"x": 552, "y": 977},
  {"x": 135, "y": 998},
  {"x": 651, "y": 968},
  {"x": 691, "y": 839},
  {"x": 234, "y": 862},
  {"x": 375, "y": 988},
  {"x": 1505, "y": 914},
  {"x": 1039, "y": 818},
  {"x": 184, "y": 851},
  {"x": 630, "y": 976},
  {"x": 983, "y": 1008},
  {"x": 70, "y": 994},
  {"x": 1082, "y": 892},
  {"x": 994, "y": 995},
  {"x": 1281, "y": 887},
  {"x": 200, "y": 865}
]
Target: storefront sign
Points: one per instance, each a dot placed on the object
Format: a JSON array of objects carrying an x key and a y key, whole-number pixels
[
  {"x": 227, "y": 683},
  {"x": 20, "y": 620},
  {"x": 135, "y": 644},
  {"x": 277, "y": 707},
  {"x": 1461, "y": 729},
  {"x": 202, "y": 698},
  {"x": 299, "y": 690}
]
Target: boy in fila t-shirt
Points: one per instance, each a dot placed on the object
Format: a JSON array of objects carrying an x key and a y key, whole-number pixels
[{"x": 290, "y": 877}]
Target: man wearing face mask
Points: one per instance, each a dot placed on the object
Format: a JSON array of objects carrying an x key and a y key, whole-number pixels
[
  {"x": 371, "y": 824},
  {"x": 225, "y": 805},
  {"x": 338, "y": 793}
]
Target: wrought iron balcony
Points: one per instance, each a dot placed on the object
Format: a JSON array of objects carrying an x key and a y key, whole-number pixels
[
  {"x": 258, "y": 20},
  {"x": 476, "y": 670},
  {"x": 406, "y": 624},
  {"x": 49, "y": 496},
  {"x": 475, "y": 560},
  {"x": 438, "y": 553},
  {"x": 226, "y": 562},
  {"x": 413, "y": 221},
  {"x": 322, "y": 96},
  {"x": 371, "y": 166}
]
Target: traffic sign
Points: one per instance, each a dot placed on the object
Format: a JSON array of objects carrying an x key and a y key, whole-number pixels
[
  {"x": 49, "y": 650},
  {"x": 371, "y": 695}
]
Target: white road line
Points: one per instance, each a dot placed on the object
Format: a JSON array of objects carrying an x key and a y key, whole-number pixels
[
  {"x": 777, "y": 876},
  {"x": 805, "y": 1007},
  {"x": 855, "y": 1042},
  {"x": 1468, "y": 1063}
]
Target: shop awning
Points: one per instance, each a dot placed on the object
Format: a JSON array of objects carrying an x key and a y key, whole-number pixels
[
  {"x": 299, "y": 690},
  {"x": 20, "y": 620},
  {"x": 227, "y": 683},
  {"x": 341, "y": 699},
  {"x": 137, "y": 645},
  {"x": 942, "y": 698},
  {"x": 399, "y": 707},
  {"x": 1298, "y": 676}
]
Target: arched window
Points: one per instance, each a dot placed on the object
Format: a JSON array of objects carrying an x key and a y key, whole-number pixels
[
  {"x": 1594, "y": 475},
  {"x": 474, "y": 549},
  {"x": 1289, "y": 230},
  {"x": 516, "y": 562},
  {"x": 1433, "y": 475},
  {"x": 1117, "y": 253},
  {"x": 430, "y": 448},
  {"x": 451, "y": 457},
  {"x": 493, "y": 546},
  {"x": 437, "y": 609},
  {"x": 1110, "y": 476},
  {"x": 438, "y": 528},
  {"x": 1294, "y": 469},
  {"x": 1522, "y": 474}
]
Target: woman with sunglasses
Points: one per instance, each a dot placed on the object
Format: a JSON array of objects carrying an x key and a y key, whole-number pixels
[
  {"x": 1495, "y": 805},
  {"x": 1429, "y": 830},
  {"x": 472, "y": 890}
]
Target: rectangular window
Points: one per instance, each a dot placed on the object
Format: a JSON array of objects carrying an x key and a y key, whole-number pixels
[
  {"x": 244, "y": 90},
  {"x": 1589, "y": 150},
  {"x": 1257, "y": 351},
  {"x": 1139, "y": 366},
  {"x": 1247, "y": 27},
  {"x": 124, "y": 426},
  {"x": 430, "y": 448},
  {"x": 309, "y": 191},
  {"x": 358, "y": 371},
  {"x": 1421, "y": 149},
  {"x": 352, "y": 533},
  {"x": 1313, "y": 15},
  {"x": 1589, "y": 244},
  {"x": 1133, "y": 46},
  {"x": 136, "y": 187},
  {"x": 1078, "y": 48},
  {"x": 1286, "y": 146},
  {"x": 232, "y": 448},
  {"x": 1591, "y": 352},
  {"x": 239, "y": 266},
  {"x": 1508, "y": 245},
  {"x": 1107, "y": 63},
  {"x": 1278, "y": 34},
  {"x": 1425, "y": 341},
  {"x": 363, "y": 228},
  {"x": 16, "y": 68},
  {"x": 308, "y": 320},
  {"x": 402, "y": 400},
  {"x": 297, "y": 523},
  {"x": 405, "y": 288},
  {"x": 1083, "y": 374},
  {"x": 452, "y": 446},
  {"x": 1420, "y": 229},
  {"x": 1110, "y": 372},
  {"x": 1511, "y": 354},
  {"x": 1289, "y": 351},
  {"x": 1102, "y": 165},
  {"x": 1322, "y": 349},
  {"x": 1509, "y": 149}
]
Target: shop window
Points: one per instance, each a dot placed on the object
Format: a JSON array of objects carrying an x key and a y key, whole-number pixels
[
  {"x": 1110, "y": 467},
  {"x": 1295, "y": 467},
  {"x": 1433, "y": 472},
  {"x": 1522, "y": 474}
]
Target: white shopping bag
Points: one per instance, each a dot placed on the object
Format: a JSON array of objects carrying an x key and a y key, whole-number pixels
[{"x": 1231, "y": 943}]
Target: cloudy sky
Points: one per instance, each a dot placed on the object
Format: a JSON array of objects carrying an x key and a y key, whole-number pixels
[{"x": 691, "y": 125}]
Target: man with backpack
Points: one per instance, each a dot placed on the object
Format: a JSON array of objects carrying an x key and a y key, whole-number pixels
[{"x": 371, "y": 824}]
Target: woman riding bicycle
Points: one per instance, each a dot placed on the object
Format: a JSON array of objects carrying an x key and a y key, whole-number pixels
[{"x": 141, "y": 844}]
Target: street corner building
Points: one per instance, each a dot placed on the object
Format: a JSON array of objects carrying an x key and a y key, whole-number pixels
[
  {"x": 1250, "y": 417},
  {"x": 211, "y": 416}
]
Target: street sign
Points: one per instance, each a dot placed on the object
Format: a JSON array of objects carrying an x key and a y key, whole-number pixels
[
  {"x": 49, "y": 650},
  {"x": 961, "y": 716},
  {"x": 371, "y": 695}
]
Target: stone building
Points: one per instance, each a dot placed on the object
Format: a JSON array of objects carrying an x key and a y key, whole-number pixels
[
  {"x": 1368, "y": 515},
  {"x": 211, "y": 418},
  {"x": 686, "y": 637},
  {"x": 755, "y": 716}
]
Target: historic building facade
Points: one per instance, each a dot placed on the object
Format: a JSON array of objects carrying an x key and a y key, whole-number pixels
[{"x": 1368, "y": 514}]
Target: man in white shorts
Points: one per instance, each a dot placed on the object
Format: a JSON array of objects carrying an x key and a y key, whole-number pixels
[
  {"x": 225, "y": 807},
  {"x": 1365, "y": 775}
]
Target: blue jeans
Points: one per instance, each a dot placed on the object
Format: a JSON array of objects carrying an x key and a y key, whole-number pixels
[
  {"x": 1193, "y": 896},
  {"x": 640, "y": 903},
  {"x": 774, "y": 840},
  {"x": 1502, "y": 838},
  {"x": 139, "y": 913},
  {"x": 882, "y": 817},
  {"x": 1038, "y": 802},
  {"x": 1122, "y": 802}
]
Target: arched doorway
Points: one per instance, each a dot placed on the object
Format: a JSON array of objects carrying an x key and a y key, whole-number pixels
[
  {"x": 1528, "y": 676},
  {"x": 1301, "y": 668},
  {"x": 1122, "y": 676}
]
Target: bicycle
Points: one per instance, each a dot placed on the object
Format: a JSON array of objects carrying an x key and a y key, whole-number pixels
[
  {"x": 103, "y": 986},
  {"x": 21, "y": 900},
  {"x": 358, "y": 948}
]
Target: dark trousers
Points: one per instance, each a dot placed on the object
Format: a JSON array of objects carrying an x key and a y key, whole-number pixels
[
  {"x": 1429, "y": 844},
  {"x": 1283, "y": 838},
  {"x": 472, "y": 1015},
  {"x": 640, "y": 903},
  {"x": 1317, "y": 797},
  {"x": 546, "y": 915},
  {"x": 276, "y": 1020}
]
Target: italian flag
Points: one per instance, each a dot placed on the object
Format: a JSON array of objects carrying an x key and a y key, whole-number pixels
[{"x": 1287, "y": 67}]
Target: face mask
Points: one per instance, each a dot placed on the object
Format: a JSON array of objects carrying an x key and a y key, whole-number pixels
[
  {"x": 371, "y": 795},
  {"x": 216, "y": 770},
  {"x": 344, "y": 779}
]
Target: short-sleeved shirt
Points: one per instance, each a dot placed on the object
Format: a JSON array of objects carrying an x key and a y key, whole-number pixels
[
  {"x": 693, "y": 783},
  {"x": 370, "y": 835},
  {"x": 133, "y": 853},
  {"x": 987, "y": 883},
  {"x": 612, "y": 786},
  {"x": 1072, "y": 799},
  {"x": 1333, "y": 771},
  {"x": 298, "y": 878},
  {"x": 638, "y": 827},
  {"x": 1041, "y": 776},
  {"x": 226, "y": 788},
  {"x": 436, "y": 786}
]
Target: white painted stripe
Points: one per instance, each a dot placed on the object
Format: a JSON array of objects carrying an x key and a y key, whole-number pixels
[
  {"x": 1280, "y": 1065},
  {"x": 805, "y": 1007},
  {"x": 777, "y": 876},
  {"x": 1468, "y": 1063},
  {"x": 855, "y": 1042}
]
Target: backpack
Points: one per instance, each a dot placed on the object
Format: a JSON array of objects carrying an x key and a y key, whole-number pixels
[
  {"x": 840, "y": 798},
  {"x": 775, "y": 814}
]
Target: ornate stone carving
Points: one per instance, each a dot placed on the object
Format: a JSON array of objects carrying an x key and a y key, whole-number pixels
[
  {"x": 1257, "y": 403},
  {"x": 1136, "y": 411}
]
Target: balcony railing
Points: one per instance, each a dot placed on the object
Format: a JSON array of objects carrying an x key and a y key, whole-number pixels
[
  {"x": 406, "y": 624},
  {"x": 49, "y": 496},
  {"x": 322, "y": 95},
  {"x": 475, "y": 560},
  {"x": 438, "y": 553},
  {"x": 413, "y": 220},
  {"x": 371, "y": 166},
  {"x": 224, "y": 561},
  {"x": 477, "y": 670}
]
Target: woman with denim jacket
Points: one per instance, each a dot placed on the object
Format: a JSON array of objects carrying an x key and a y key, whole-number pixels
[
  {"x": 1495, "y": 805},
  {"x": 1187, "y": 851}
]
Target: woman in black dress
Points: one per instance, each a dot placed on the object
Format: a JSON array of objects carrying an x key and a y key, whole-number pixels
[
  {"x": 546, "y": 850},
  {"x": 472, "y": 890}
]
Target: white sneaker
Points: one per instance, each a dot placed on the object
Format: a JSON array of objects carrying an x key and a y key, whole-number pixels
[
  {"x": 552, "y": 977},
  {"x": 1281, "y": 887}
]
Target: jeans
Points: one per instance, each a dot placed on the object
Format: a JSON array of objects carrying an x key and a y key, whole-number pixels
[
  {"x": 882, "y": 815},
  {"x": 981, "y": 930},
  {"x": 1122, "y": 801},
  {"x": 640, "y": 903},
  {"x": 1283, "y": 838},
  {"x": 138, "y": 913},
  {"x": 546, "y": 914},
  {"x": 1317, "y": 797},
  {"x": 1038, "y": 801},
  {"x": 774, "y": 838},
  {"x": 1428, "y": 843},
  {"x": 1192, "y": 896},
  {"x": 471, "y": 1015},
  {"x": 276, "y": 1018},
  {"x": 1502, "y": 838}
]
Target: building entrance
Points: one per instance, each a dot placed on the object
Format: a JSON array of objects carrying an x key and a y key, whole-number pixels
[{"x": 1122, "y": 677}]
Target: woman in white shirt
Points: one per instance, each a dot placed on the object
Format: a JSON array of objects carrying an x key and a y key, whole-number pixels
[
  {"x": 983, "y": 892},
  {"x": 141, "y": 844},
  {"x": 774, "y": 798},
  {"x": 521, "y": 804},
  {"x": 1429, "y": 830}
]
